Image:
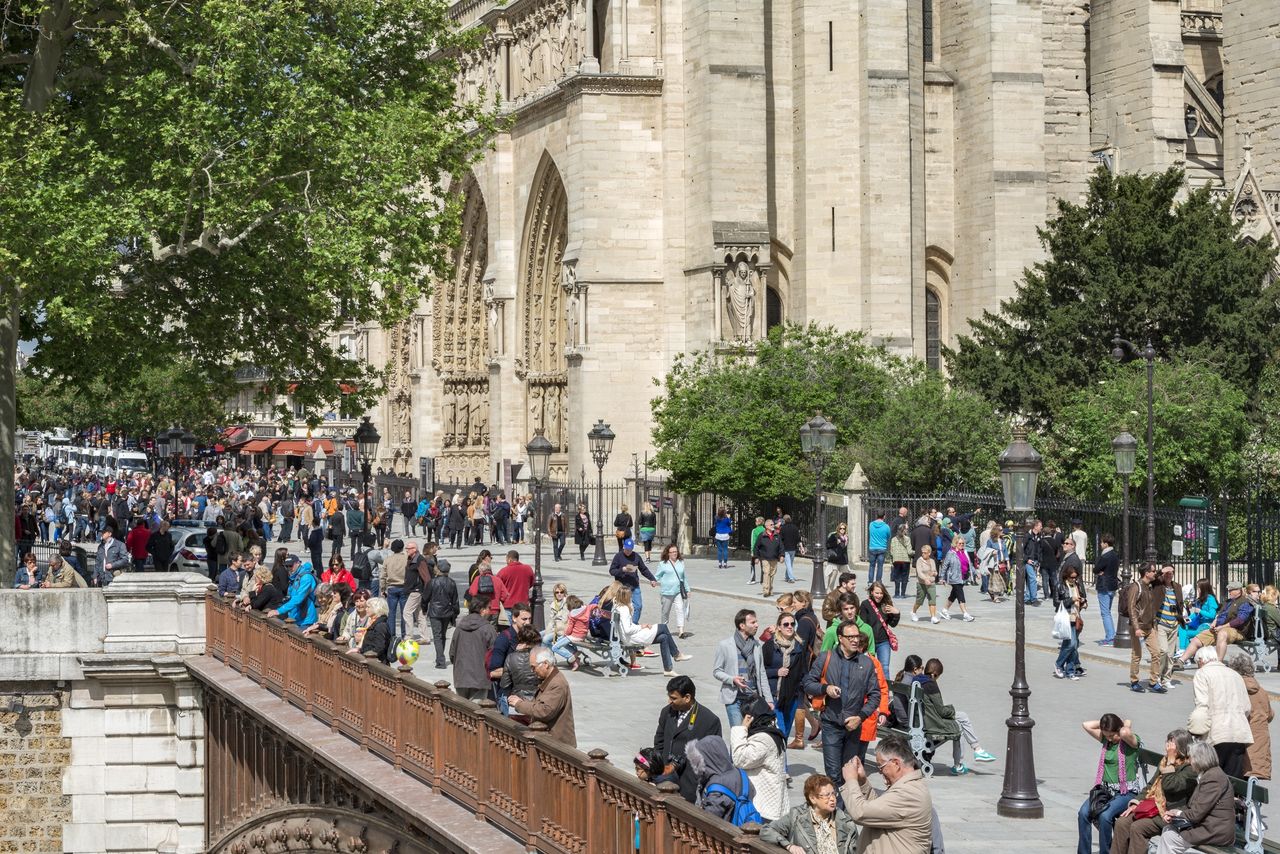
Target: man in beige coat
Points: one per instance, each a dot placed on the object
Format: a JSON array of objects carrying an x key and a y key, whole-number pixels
[
  {"x": 552, "y": 704},
  {"x": 898, "y": 820}
]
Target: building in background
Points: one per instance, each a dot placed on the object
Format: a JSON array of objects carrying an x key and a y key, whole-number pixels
[{"x": 677, "y": 176}]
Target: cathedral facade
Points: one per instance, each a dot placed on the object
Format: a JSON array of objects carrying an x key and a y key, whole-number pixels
[{"x": 675, "y": 176}]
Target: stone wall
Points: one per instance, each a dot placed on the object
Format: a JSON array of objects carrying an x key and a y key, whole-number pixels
[
  {"x": 1251, "y": 72},
  {"x": 33, "y": 756}
]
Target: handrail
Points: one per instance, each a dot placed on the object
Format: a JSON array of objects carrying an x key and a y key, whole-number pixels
[{"x": 547, "y": 795}]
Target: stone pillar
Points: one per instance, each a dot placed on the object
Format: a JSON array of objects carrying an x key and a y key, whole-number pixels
[
  {"x": 855, "y": 487},
  {"x": 135, "y": 723},
  {"x": 1250, "y": 44}
]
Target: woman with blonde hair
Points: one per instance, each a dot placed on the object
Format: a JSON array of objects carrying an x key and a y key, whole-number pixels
[
  {"x": 926, "y": 584},
  {"x": 644, "y": 634},
  {"x": 647, "y": 528}
]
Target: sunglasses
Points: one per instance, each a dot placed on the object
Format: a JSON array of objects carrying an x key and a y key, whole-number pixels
[{"x": 786, "y": 624}]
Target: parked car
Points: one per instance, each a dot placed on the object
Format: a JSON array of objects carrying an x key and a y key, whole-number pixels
[{"x": 188, "y": 551}]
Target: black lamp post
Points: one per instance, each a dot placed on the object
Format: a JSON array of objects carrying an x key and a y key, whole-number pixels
[
  {"x": 818, "y": 443},
  {"x": 367, "y": 439},
  {"x": 1019, "y": 473},
  {"x": 1125, "y": 448},
  {"x": 539, "y": 451},
  {"x": 1120, "y": 350},
  {"x": 176, "y": 445},
  {"x": 600, "y": 440}
]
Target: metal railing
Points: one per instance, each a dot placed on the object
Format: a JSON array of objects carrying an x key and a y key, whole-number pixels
[{"x": 548, "y": 796}]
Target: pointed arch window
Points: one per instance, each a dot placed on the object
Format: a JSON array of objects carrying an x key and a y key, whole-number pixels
[{"x": 932, "y": 329}]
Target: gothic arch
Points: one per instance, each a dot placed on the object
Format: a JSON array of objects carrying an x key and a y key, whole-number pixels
[
  {"x": 323, "y": 829},
  {"x": 779, "y": 284},
  {"x": 937, "y": 304},
  {"x": 460, "y": 345},
  {"x": 543, "y": 278}
]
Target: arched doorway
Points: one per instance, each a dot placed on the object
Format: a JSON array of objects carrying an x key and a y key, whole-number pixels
[
  {"x": 937, "y": 300},
  {"x": 460, "y": 347},
  {"x": 540, "y": 357}
]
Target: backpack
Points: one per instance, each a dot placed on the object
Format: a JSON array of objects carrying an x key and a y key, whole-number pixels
[
  {"x": 1124, "y": 599},
  {"x": 360, "y": 567},
  {"x": 743, "y": 810},
  {"x": 599, "y": 622},
  {"x": 220, "y": 544},
  {"x": 484, "y": 584}
]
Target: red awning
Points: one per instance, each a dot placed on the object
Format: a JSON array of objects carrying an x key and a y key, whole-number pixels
[
  {"x": 234, "y": 435},
  {"x": 257, "y": 446},
  {"x": 299, "y": 448}
]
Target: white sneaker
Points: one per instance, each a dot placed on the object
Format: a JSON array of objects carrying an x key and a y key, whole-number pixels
[
  {"x": 915, "y": 618},
  {"x": 944, "y": 614},
  {"x": 968, "y": 618},
  {"x": 934, "y": 619}
]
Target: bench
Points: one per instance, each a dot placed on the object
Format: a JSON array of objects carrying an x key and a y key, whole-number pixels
[
  {"x": 1249, "y": 791},
  {"x": 613, "y": 653},
  {"x": 922, "y": 745},
  {"x": 1260, "y": 648}
]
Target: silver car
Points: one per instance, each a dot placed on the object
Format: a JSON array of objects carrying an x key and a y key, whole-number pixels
[{"x": 188, "y": 551}]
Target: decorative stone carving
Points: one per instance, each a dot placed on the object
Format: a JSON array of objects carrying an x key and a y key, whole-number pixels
[
  {"x": 575, "y": 306},
  {"x": 546, "y": 45},
  {"x": 545, "y": 282},
  {"x": 738, "y": 282},
  {"x": 400, "y": 392}
]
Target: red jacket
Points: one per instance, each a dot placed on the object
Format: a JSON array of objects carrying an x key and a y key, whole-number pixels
[
  {"x": 474, "y": 590},
  {"x": 342, "y": 576},
  {"x": 136, "y": 542}
]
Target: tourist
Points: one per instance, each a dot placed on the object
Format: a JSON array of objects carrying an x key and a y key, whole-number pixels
[
  {"x": 378, "y": 638},
  {"x": 515, "y": 581},
  {"x": 503, "y": 644},
  {"x": 647, "y": 528},
  {"x": 112, "y": 557},
  {"x": 1209, "y": 818},
  {"x": 1221, "y": 693},
  {"x": 837, "y": 553},
  {"x": 926, "y": 581},
  {"x": 1167, "y": 608},
  {"x": 576, "y": 628},
  {"x": 636, "y": 634},
  {"x": 29, "y": 574},
  {"x": 878, "y": 612},
  {"x": 472, "y": 640},
  {"x": 327, "y": 607},
  {"x": 845, "y": 606},
  {"x": 336, "y": 573},
  {"x": 1070, "y": 593},
  {"x": 1118, "y": 772},
  {"x": 394, "y": 569},
  {"x": 518, "y": 678},
  {"x": 417, "y": 575},
  {"x": 299, "y": 603},
  {"x": 315, "y": 542},
  {"x": 844, "y": 686},
  {"x": 993, "y": 562},
  {"x": 739, "y": 668},
  {"x": 681, "y": 721},
  {"x": 622, "y": 524},
  {"x": 627, "y": 567},
  {"x": 266, "y": 596},
  {"x": 758, "y": 747},
  {"x": 878, "y": 534},
  {"x": 673, "y": 587},
  {"x": 652, "y": 768},
  {"x": 1175, "y": 780},
  {"x": 1106, "y": 576},
  {"x": 899, "y": 819},
  {"x": 582, "y": 534},
  {"x": 441, "y": 602},
  {"x": 552, "y": 703},
  {"x": 1200, "y": 613},
  {"x": 557, "y": 529},
  {"x": 953, "y": 572},
  {"x": 943, "y": 722},
  {"x": 814, "y": 826},
  {"x": 1230, "y": 626},
  {"x": 720, "y": 784},
  {"x": 900, "y": 561},
  {"x": 789, "y": 531},
  {"x": 557, "y": 614},
  {"x": 1140, "y": 605},
  {"x": 485, "y": 583},
  {"x": 786, "y": 660},
  {"x": 721, "y": 530},
  {"x": 768, "y": 551},
  {"x": 60, "y": 575},
  {"x": 751, "y": 550}
]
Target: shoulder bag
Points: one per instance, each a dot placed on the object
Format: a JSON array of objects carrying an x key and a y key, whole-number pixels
[
  {"x": 819, "y": 702},
  {"x": 893, "y": 639}
]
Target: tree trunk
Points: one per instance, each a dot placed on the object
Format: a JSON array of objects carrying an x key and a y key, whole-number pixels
[
  {"x": 42, "y": 74},
  {"x": 8, "y": 426}
]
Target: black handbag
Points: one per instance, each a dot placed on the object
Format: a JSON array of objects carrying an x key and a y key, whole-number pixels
[{"x": 1100, "y": 797}]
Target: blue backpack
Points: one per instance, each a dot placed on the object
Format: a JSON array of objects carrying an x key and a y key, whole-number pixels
[{"x": 743, "y": 810}]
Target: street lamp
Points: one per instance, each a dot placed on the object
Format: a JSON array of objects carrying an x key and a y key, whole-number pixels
[
  {"x": 539, "y": 451},
  {"x": 1122, "y": 349},
  {"x": 367, "y": 448},
  {"x": 1125, "y": 448},
  {"x": 818, "y": 443},
  {"x": 600, "y": 439},
  {"x": 1019, "y": 473}
]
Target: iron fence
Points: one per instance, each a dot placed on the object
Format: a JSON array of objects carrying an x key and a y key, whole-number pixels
[{"x": 1194, "y": 540}]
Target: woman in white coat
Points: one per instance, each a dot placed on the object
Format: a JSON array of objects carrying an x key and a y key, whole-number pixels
[
  {"x": 1221, "y": 692},
  {"x": 643, "y": 634},
  {"x": 756, "y": 746}
]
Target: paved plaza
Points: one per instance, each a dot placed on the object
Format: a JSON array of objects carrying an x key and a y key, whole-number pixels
[{"x": 619, "y": 714}]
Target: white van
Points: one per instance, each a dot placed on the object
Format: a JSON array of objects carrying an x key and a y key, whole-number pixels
[{"x": 131, "y": 461}]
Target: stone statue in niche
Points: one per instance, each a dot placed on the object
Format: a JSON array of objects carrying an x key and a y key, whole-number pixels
[
  {"x": 740, "y": 293},
  {"x": 479, "y": 418},
  {"x": 464, "y": 419},
  {"x": 553, "y": 416},
  {"x": 571, "y": 309},
  {"x": 450, "y": 420},
  {"x": 536, "y": 411}
]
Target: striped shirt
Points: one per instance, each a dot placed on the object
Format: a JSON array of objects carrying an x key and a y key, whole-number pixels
[{"x": 1169, "y": 609}]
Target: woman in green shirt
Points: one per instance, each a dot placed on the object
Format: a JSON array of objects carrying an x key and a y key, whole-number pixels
[{"x": 1118, "y": 743}]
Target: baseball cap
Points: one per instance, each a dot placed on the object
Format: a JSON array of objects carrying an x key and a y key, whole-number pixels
[
  {"x": 628, "y": 543},
  {"x": 292, "y": 560}
]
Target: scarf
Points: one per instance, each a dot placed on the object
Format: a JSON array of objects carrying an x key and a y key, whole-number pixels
[{"x": 763, "y": 720}]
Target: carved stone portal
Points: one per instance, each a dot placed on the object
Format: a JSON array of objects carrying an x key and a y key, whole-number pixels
[{"x": 544, "y": 319}]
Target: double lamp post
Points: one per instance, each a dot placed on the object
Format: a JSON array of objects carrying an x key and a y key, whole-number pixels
[{"x": 1125, "y": 447}]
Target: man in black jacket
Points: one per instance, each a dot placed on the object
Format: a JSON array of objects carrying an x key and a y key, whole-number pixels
[
  {"x": 768, "y": 552},
  {"x": 790, "y": 534},
  {"x": 160, "y": 547},
  {"x": 680, "y": 722},
  {"x": 1106, "y": 577},
  {"x": 627, "y": 567},
  {"x": 442, "y": 601},
  {"x": 846, "y": 678},
  {"x": 315, "y": 542}
]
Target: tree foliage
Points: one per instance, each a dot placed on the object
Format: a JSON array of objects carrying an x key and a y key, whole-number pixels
[
  {"x": 1133, "y": 260},
  {"x": 729, "y": 422},
  {"x": 225, "y": 181},
  {"x": 1201, "y": 430},
  {"x": 929, "y": 436}
]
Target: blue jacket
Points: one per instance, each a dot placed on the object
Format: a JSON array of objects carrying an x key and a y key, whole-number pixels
[
  {"x": 878, "y": 536},
  {"x": 300, "y": 604},
  {"x": 228, "y": 582},
  {"x": 724, "y": 525}
]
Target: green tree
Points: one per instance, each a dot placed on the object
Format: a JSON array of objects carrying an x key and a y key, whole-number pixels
[
  {"x": 1133, "y": 260},
  {"x": 222, "y": 180},
  {"x": 930, "y": 436},
  {"x": 1201, "y": 431},
  {"x": 729, "y": 422}
]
